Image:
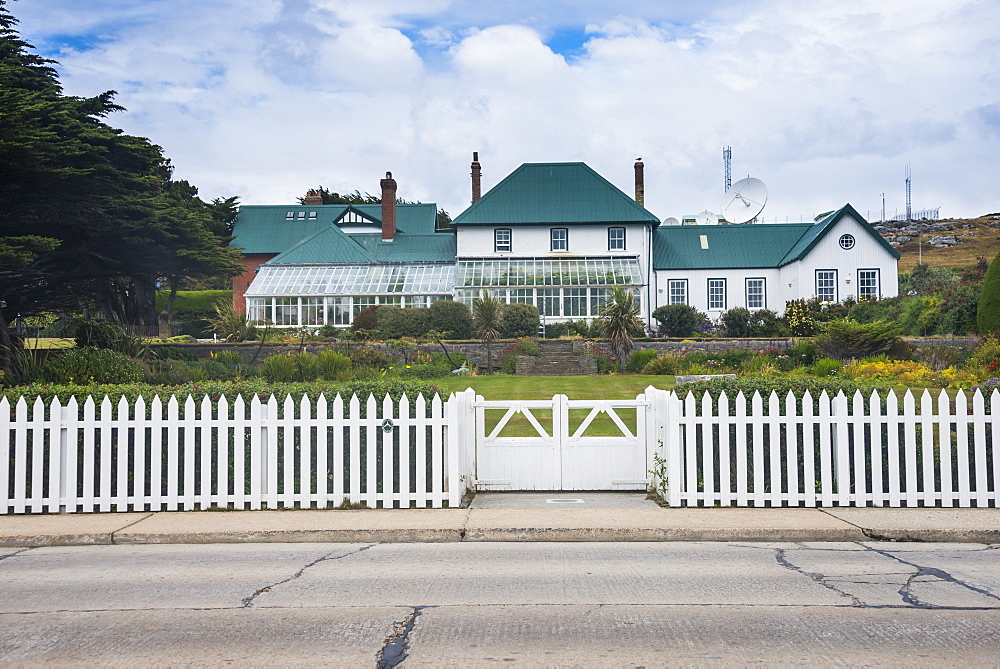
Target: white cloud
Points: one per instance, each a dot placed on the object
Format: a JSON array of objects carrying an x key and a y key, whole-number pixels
[{"x": 823, "y": 101}]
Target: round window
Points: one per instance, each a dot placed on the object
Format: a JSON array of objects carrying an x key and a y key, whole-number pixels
[{"x": 847, "y": 241}]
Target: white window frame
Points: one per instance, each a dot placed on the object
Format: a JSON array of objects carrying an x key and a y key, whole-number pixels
[
  {"x": 499, "y": 245},
  {"x": 616, "y": 238},
  {"x": 763, "y": 292},
  {"x": 682, "y": 289},
  {"x": 824, "y": 275},
  {"x": 559, "y": 239},
  {"x": 715, "y": 304},
  {"x": 876, "y": 274}
]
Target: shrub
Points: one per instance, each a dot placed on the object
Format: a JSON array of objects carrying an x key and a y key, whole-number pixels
[
  {"x": 519, "y": 320},
  {"x": 89, "y": 365},
  {"x": 366, "y": 319},
  {"x": 844, "y": 339},
  {"x": 666, "y": 363},
  {"x": 109, "y": 335},
  {"x": 826, "y": 367},
  {"x": 430, "y": 371},
  {"x": 214, "y": 369},
  {"x": 371, "y": 358},
  {"x": 767, "y": 323},
  {"x": 329, "y": 331},
  {"x": 680, "y": 320},
  {"x": 395, "y": 322},
  {"x": 738, "y": 322},
  {"x": 450, "y": 319},
  {"x": 639, "y": 359},
  {"x": 229, "y": 324},
  {"x": 901, "y": 371},
  {"x": 799, "y": 320},
  {"x": 227, "y": 358},
  {"x": 167, "y": 372},
  {"x": 296, "y": 367},
  {"x": 779, "y": 385},
  {"x": 333, "y": 366},
  {"x": 803, "y": 352},
  {"x": 762, "y": 365},
  {"x": 171, "y": 353},
  {"x": 507, "y": 362},
  {"x": 988, "y": 311}
]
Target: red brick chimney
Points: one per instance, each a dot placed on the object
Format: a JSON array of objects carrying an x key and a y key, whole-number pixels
[
  {"x": 312, "y": 197},
  {"x": 388, "y": 207},
  {"x": 477, "y": 177},
  {"x": 640, "y": 183}
]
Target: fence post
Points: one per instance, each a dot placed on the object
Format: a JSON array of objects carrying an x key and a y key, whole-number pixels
[{"x": 672, "y": 448}]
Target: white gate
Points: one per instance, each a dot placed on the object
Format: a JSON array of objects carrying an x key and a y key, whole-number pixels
[{"x": 563, "y": 444}]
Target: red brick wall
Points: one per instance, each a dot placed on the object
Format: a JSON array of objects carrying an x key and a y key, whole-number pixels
[{"x": 250, "y": 262}]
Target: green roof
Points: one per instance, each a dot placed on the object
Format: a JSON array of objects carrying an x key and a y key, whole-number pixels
[
  {"x": 332, "y": 246},
  {"x": 267, "y": 228},
  {"x": 739, "y": 246},
  {"x": 544, "y": 193}
]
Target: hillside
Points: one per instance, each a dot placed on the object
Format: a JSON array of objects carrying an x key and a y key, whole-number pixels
[{"x": 972, "y": 238}]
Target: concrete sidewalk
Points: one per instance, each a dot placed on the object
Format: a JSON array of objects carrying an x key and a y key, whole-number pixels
[{"x": 498, "y": 524}]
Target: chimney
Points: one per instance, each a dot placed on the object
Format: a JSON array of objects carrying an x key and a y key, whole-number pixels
[
  {"x": 388, "y": 207},
  {"x": 640, "y": 183},
  {"x": 312, "y": 197},
  {"x": 477, "y": 176}
]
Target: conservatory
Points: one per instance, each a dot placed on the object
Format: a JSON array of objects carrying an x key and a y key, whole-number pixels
[
  {"x": 564, "y": 288},
  {"x": 314, "y": 295}
]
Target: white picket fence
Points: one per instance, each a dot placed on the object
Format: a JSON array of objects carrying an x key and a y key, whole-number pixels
[
  {"x": 198, "y": 455},
  {"x": 829, "y": 451},
  {"x": 757, "y": 451}
]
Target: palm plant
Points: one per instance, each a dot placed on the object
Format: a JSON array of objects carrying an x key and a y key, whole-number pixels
[
  {"x": 620, "y": 323},
  {"x": 486, "y": 313}
]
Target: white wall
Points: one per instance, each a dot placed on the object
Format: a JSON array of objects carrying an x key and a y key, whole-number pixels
[
  {"x": 796, "y": 280},
  {"x": 533, "y": 241}
]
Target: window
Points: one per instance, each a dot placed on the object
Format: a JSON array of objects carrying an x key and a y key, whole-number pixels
[
  {"x": 574, "y": 302},
  {"x": 677, "y": 290},
  {"x": 286, "y": 311},
  {"x": 716, "y": 293},
  {"x": 616, "y": 239},
  {"x": 868, "y": 288},
  {"x": 312, "y": 214},
  {"x": 559, "y": 239},
  {"x": 312, "y": 311},
  {"x": 755, "y": 294},
  {"x": 598, "y": 296},
  {"x": 826, "y": 285},
  {"x": 501, "y": 240},
  {"x": 302, "y": 214},
  {"x": 338, "y": 310},
  {"x": 289, "y": 214},
  {"x": 847, "y": 242},
  {"x": 548, "y": 302}
]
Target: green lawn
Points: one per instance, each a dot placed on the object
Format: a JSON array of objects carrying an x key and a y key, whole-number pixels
[{"x": 601, "y": 387}]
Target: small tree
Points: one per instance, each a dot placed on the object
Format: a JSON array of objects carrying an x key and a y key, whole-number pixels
[
  {"x": 487, "y": 312},
  {"x": 452, "y": 319},
  {"x": 988, "y": 314},
  {"x": 844, "y": 339},
  {"x": 620, "y": 323},
  {"x": 519, "y": 320},
  {"x": 679, "y": 320}
]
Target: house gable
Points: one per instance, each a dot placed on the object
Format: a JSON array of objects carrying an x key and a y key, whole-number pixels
[{"x": 554, "y": 193}]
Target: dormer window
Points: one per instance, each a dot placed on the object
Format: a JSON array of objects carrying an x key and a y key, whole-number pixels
[
  {"x": 501, "y": 240},
  {"x": 559, "y": 239}
]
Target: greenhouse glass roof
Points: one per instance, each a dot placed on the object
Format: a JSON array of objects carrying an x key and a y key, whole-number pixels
[
  {"x": 353, "y": 280},
  {"x": 549, "y": 272}
]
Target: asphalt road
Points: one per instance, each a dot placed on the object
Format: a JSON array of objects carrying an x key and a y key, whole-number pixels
[{"x": 482, "y": 604}]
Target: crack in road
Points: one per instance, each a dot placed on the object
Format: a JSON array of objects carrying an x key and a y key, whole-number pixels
[
  {"x": 934, "y": 572},
  {"x": 248, "y": 602},
  {"x": 779, "y": 555},
  {"x": 10, "y": 555},
  {"x": 397, "y": 645}
]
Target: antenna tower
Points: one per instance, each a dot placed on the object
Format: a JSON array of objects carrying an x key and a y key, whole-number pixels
[
  {"x": 727, "y": 161},
  {"x": 908, "y": 210}
]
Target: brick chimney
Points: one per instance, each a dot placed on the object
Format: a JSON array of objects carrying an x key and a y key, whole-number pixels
[
  {"x": 477, "y": 177},
  {"x": 312, "y": 197},
  {"x": 640, "y": 183},
  {"x": 388, "y": 207}
]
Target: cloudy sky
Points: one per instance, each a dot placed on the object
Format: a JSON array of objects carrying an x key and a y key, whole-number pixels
[{"x": 826, "y": 101}]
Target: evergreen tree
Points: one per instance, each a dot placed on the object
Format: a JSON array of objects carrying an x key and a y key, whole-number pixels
[{"x": 988, "y": 314}]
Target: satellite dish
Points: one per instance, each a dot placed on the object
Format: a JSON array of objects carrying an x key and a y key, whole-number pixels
[
  {"x": 744, "y": 200},
  {"x": 671, "y": 221},
  {"x": 706, "y": 218}
]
